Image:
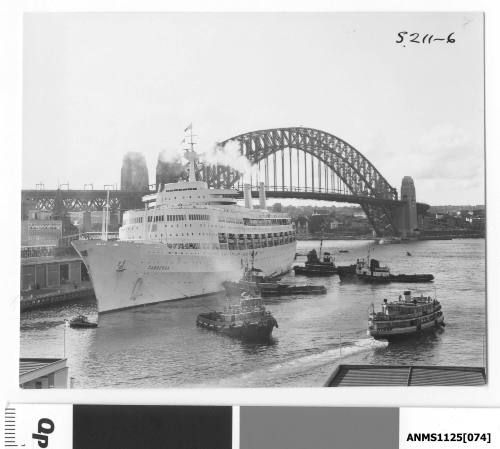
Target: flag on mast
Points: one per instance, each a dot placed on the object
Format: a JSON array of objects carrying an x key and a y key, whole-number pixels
[{"x": 190, "y": 126}]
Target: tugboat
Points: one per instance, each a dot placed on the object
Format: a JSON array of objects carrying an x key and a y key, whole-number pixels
[
  {"x": 254, "y": 281},
  {"x": 406, "y": 317},
  {"x": 81, "y": 322},
  {"x": 248, "y": 320},
  {"x": 371, "y": 271},
  {"x": 315, "y": 266}
]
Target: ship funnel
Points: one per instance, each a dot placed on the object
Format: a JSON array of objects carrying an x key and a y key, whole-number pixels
[
  {"x": 247, "y": 194},
  {"x": 262, "y": 195}
]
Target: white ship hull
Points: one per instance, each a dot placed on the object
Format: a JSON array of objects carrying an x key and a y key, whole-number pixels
[{"x": 129, "y": 274}]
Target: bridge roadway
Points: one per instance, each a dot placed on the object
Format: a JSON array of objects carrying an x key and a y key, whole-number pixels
[{"x": 81, "y": 200}]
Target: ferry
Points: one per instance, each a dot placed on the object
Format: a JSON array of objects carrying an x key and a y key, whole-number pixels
[
  {"x": 186, "y": 241},
  {"x": 408, "y": 316}
]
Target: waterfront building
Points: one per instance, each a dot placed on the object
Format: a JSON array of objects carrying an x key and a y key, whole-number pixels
[
  {"x": 41, "y": 232},
  {"x": 302, "y": 225},
  {"x": 134, "y": 174},
  {"x": 47, "y": 261},
  {"x": 50, "y": 272},
  {"x": 38, "y": 373},
  {"x": 319, "y": 221}
]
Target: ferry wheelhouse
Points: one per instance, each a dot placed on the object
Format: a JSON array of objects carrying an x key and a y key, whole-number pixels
[
  {"x": 408, "y": 316},
  {"x": 186, "y": 241}
]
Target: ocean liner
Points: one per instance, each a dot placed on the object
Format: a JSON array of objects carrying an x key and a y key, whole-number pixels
[{"x": 186, "y": 241}]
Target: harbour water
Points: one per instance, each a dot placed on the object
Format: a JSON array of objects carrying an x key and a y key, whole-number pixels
[{"x": 160, "y": 345}]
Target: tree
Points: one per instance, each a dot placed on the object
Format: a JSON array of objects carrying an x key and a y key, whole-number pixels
[{"x": 277, "y": 207}]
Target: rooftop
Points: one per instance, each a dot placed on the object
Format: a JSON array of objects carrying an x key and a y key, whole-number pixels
[
  {"x": 33, "y": 368},
  {"x": 398, "y": 375},
  {"x": 49, "y": 259}
]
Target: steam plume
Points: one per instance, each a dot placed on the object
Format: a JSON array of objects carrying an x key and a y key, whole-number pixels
[{"x": 228, "y": 154}]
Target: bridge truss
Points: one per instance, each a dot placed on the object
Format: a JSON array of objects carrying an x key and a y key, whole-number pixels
[
  {"x": 304, "y": 161},
  {"x": 292, "y": 162}
]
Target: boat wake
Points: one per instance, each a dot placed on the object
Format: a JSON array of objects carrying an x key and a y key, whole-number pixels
[{"x": 299, "y": 371}]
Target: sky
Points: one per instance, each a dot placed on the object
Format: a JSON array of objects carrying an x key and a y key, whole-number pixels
[{"x": 99, "y": 85}]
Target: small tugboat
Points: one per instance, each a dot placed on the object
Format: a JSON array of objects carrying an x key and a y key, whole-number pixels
[
  {"x": 370, "y": 270},
  {"x": 315, "y": 266},
  {"x": 81, "y": 322},
  {"x": 254, "y": 281},
  {"x": 406, "y": 317},
  {"x": 248, "y": 320}
]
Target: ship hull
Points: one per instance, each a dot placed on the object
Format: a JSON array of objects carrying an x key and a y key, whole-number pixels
[
  {"x": 261, "y": 330},
  {"x": 267, "y": 290},
  {"x": 131, "y": 274},
  {"x": 406, "y": 332},
  {"x": 315, "y": 270}
]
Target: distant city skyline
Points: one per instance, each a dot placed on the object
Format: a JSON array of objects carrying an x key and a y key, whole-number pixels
[{"x": 99, "y": 85}]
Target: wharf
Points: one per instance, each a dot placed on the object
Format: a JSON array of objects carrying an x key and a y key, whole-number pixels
[{"x": 63, "y": 294}]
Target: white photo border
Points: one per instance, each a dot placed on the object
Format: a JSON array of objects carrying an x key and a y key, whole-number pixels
[{"x": 11, "y": 85}]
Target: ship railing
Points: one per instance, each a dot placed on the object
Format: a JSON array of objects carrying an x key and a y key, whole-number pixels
[
  {"x": 380, "y": 316},
  {"x": 403, "y": 323}
]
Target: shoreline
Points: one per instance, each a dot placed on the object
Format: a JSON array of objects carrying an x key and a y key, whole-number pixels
[{"x": 351, "y": 237}]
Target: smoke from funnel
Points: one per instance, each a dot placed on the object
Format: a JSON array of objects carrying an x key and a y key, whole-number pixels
[
  {"x": 172, "y": 166},
  {"x": 228, "y": 154},
  {"x": 173, "y": 170}
]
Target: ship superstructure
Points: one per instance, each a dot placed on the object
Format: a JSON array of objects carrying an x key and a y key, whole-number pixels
[{"x": 186, "y": 241}]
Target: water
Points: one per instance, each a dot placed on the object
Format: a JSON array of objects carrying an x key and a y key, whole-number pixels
[{"x": 160, "y": 345}]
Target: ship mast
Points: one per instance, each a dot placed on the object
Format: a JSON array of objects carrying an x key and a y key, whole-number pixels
[
  {"x": 105, "y": 219},
  {"x": 190, "y": 154}
]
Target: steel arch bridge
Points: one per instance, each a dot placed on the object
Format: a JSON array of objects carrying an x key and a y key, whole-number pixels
[
  {"x": 303, "y": 163},
  {"x": 336, "y": 172}
]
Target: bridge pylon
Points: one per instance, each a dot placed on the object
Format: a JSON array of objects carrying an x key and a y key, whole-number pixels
[{"x": 408, "y": 218}]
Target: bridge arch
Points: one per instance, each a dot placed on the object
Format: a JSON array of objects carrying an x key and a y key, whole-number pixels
[
  {"x": 355, "y": 170},
  {"x": 361, "y": 178}
]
